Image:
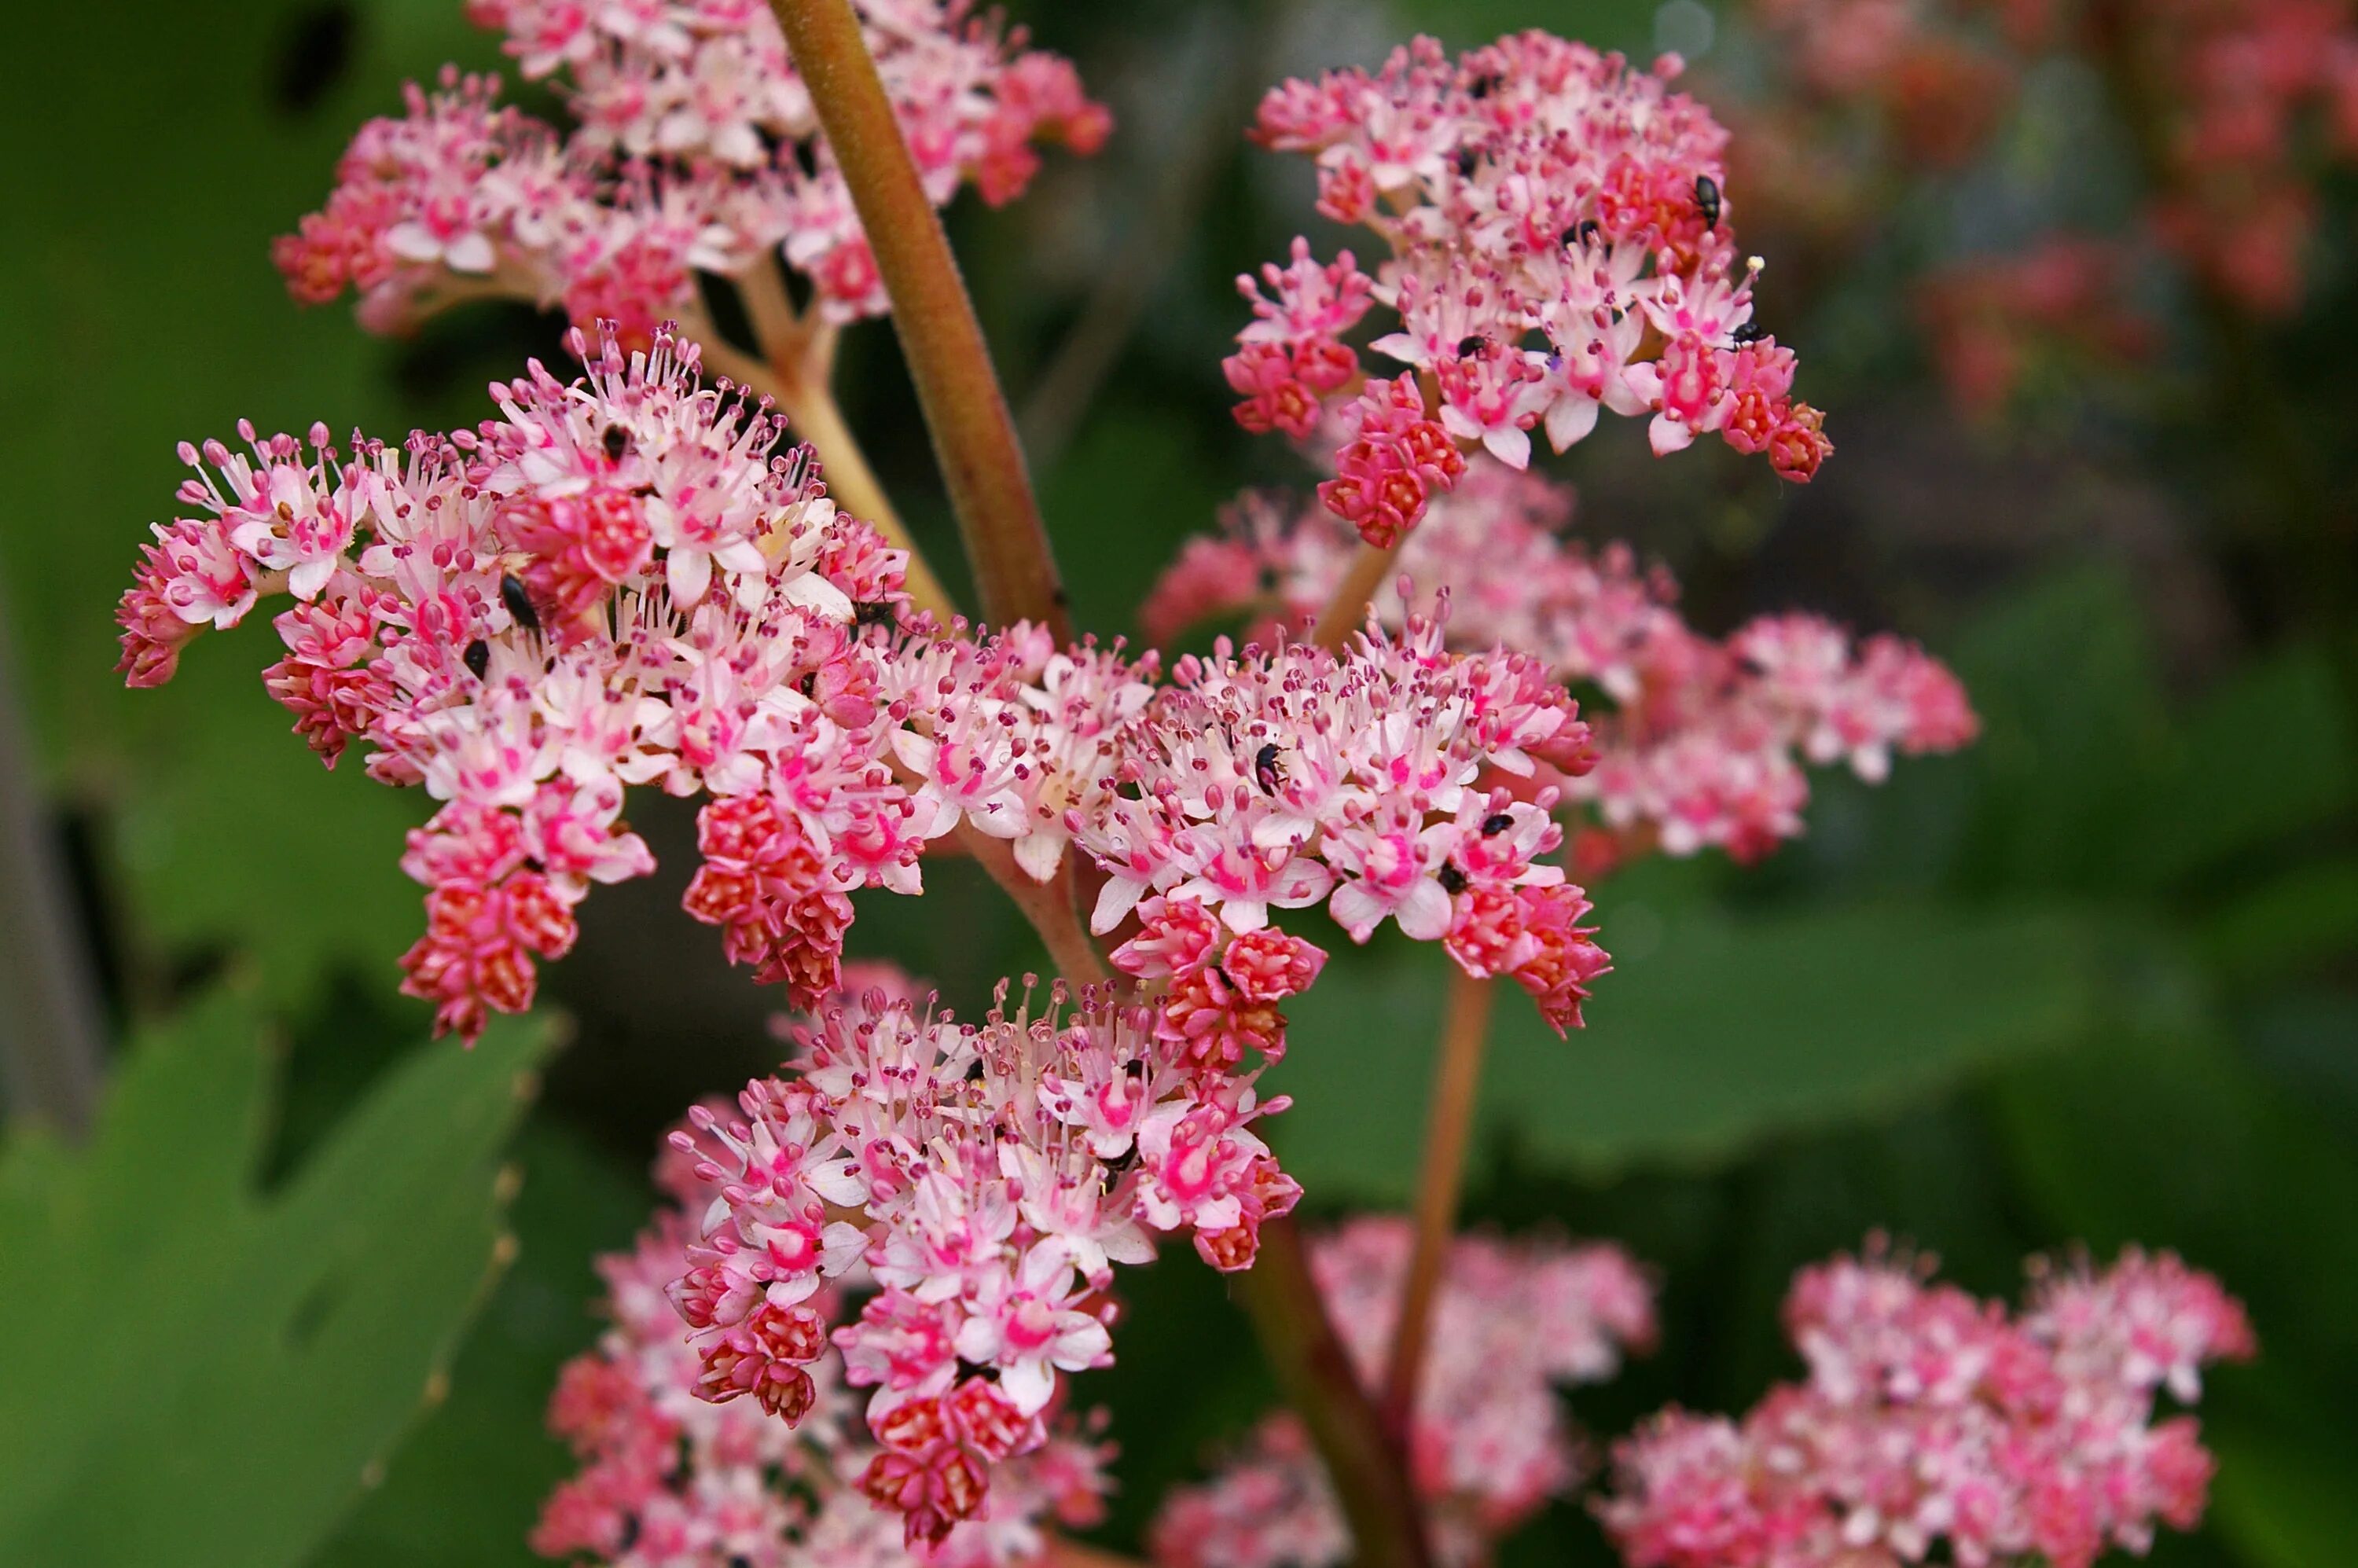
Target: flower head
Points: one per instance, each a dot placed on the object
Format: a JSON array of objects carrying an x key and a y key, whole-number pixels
[{"x": 1930, "y": 1417}]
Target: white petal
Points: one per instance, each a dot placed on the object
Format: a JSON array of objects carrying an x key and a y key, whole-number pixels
[
  {"x": 1668, "y": 435},
  {"x": 469, "y": 252},
  {"x": 1424, "y": 913},
  {"x": 690, "y": 573},
  {"x": 1028, "y": 1383},
  {"x": 1357, "y": 910},
  {"x": 1115, "y": 900},
  {"x": 1572, "y": 417},
  {"x": 1039, "y": 852},
  {"x": 1510, "y": 444}
]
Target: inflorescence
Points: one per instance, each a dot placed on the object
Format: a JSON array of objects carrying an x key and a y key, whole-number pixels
[
  {"x": 635, "y": 578},
  {"x": 1695, "y": 742},
  {"x": 1558, "y": 223},
  {"x": 694, "y": 148},
  {"x": 1930, "y": 1417}
]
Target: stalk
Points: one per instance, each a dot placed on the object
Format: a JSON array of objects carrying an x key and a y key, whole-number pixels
[
  {"x": 1316, "y": 1376},
  {"x": 1347, "y": 611},
  {"x": 983, "y": 465},
  {"x": 974, "y": 437},
  {"x": 1456, "y": 1074}
]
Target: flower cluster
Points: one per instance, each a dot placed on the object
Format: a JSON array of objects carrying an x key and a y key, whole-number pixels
[
  {"x": 1368, "y": 781},
  {"x": 987, "y": 1178},
  {"x": 1694, "y": 742},
  {"x": 1559, "y": 237},
  {"x": 2236, "y": 109},
  {"x": 1989, "y": 321},
  {"x": 627, "y": 579},
  {"x": 670, "y": 1479},
  {"x": 1488, "y": 1440},
  {"x": 695, "y": 149},
  {"x": 1929, "y": 1416},
  {"x": 630, "y": 579}
]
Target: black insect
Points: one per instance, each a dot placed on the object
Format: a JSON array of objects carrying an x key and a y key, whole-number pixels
[
  {"x": 1750, "y": 332},
  {"x": 1453, "y": 880},
  {"x": 1468, "y": 347},
  {"x": 1466, "y": 160},
  {"x": 478, "y": 656},
  {"x": 1495, "y": 824},
  {"x": 1481, "y": 87},
  {"x": 875, "y": 613},
  {"x": 519, "y": 602},
  {"x": 1266, "y": 771},
  {"x": 1707, "y": 200},
  {"x": 616, "y": 440}
]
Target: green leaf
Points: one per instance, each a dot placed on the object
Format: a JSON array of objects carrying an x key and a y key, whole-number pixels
[
  {"x": 2281, "y": 719},
  {"x": 199, "y": 1372},
  {"x": 2074, "y": 729},
  {"x": 140, "y": 262},
  {"x": 2284, "y": 1497},
  {"x": 1711, "y": 1034},
  {"x": 2306, "y": 917},
  {"x": 464, "y": 1491}
]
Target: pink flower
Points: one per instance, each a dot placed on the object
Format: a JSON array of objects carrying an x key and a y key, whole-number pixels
[
  {"x": 695, "y": 149},
  {"x": 676, "y": 1465},
  {"x": 1544, "y": 204},
  {"x": 1930, "y": 1417}
]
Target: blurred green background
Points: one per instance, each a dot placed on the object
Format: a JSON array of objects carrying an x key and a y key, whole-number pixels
[{"x": 2090, "y": 980}]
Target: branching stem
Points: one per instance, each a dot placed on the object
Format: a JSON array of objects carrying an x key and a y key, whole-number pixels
[
  {"x": 1456, "y": 1076},
  {"x": 1315, "y": 1375},
  {"x": 1347, "y": 611}
]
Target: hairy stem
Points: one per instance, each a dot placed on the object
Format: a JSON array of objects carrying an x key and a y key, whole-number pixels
[
  {"x": 1347, "y": 611},
  {"x": 812, "y": 416},
  {"x": 1456, "y": 1074},
  {"x": 1053, "y": 907},
  {"x": 974, "y": 439},
  {"x": 1316, "y": 1376}
]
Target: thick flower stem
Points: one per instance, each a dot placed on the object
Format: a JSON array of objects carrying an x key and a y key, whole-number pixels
[
  {"x": 1347, "y": 611},
  {"x": 1053, "y": 907},
  {"x": 1315, "y": 1375},
  {"x": 1449, "y": 1121},
  {"x": 974, "y": 437}
]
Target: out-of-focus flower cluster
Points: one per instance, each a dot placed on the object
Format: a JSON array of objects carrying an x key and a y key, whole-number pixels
[
  {"x": 1559, "y": 232},
  {"x": 694, "y": 148},
  {"x": 669, "y": 1478},
  {"x": 1488, "y": 1440},
  {"x": 1989, "y": 321},
  {"x": 630, "y": 579},
  {"x": 986, "y": 1179},
  {"x": 1695, "y": 742},
  {"x": 1932, "y": 1419},
  {"x": 2234, "y": 108}
]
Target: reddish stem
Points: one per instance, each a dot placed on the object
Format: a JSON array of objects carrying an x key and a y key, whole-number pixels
[
  {"x": 1315, "y": 1375},
  {"x": 974, "y": 437},
  {"x": 1456, "y": 1074},
  {"x": 1347, "y": 611}
]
